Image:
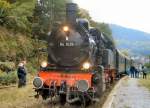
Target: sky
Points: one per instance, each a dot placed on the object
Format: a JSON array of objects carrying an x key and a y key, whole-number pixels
[{"x": 128, "y": 13}]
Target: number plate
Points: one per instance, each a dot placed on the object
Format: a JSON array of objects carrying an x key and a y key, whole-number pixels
[{"x": 67, "y": 44}]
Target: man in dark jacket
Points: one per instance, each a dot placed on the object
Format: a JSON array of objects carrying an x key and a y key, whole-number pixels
[
  {"x": 136, "y": 73},
  {"x": 144, "y": 70},
  {"x": 21, "y": 72},
  {"x": 132, "y": 71}
]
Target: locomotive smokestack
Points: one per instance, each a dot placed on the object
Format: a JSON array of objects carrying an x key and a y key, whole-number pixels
[{"x": 71, "y": 12}]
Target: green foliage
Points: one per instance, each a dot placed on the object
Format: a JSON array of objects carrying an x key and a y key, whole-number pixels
[
  {"x": 15, "y": 47},
  {"x": 19, "y": 14},
  {"x": 32, "y": 70},
  {"x": 145, "y": 83},
  {"x": 4, "y": 9},
  {"x": 7, "y": 79},
  {"x": 82, "y": 13},
  {"x": 103, "y": 27},
  {"x": 7, "y": 66},
  {"x": 32, "y": 66},
  {"x": 147, "y": 65}
]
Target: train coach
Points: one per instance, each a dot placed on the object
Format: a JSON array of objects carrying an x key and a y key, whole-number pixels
[
  {"x": 81, "y": 61},
  {"x": 123, "y": 64}
]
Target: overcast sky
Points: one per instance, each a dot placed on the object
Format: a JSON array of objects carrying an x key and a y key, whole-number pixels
[{"x": 129, "y": 13}]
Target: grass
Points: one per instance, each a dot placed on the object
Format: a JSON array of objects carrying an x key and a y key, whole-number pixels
[
  {"x": 126, "y": 106},
  {"x": 145, "y": 82},
  {"x": 21, "y": 97}
]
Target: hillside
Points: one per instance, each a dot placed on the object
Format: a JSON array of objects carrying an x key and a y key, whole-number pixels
[{"x": 135, "y": 41}]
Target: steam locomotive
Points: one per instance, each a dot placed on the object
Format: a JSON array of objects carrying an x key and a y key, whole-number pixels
[{"x": 81, "y": 62}]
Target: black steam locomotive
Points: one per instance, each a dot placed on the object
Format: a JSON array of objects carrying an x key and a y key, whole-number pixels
[{"x": 81, "y": 61}]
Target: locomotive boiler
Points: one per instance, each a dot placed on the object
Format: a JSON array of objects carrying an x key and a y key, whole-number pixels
[{"x": 71, "y": 45}]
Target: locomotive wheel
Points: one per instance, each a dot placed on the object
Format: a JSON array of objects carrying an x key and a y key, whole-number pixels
[
  {"x": 44, "y": 94},
  {"x": 44, "y": 97},
  {"x": 83, "y": 101},
  {"x": 62, "y": 99}
]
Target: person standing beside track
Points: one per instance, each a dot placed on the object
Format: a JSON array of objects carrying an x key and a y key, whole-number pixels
[{"x": 21, "y": 72}]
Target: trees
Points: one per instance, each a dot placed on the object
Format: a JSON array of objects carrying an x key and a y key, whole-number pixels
[
  {"x": 15, "y": 30},
  {"x": 46, "y": 13},
  {"x": 82, "y": 13},
  {"x": 4, "y": 9},
  {"x": 148, "y": 63},
  {"x": 18, "y": 16}
]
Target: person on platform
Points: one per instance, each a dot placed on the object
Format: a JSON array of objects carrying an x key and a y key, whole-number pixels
[
  {"x": 144, "y": 71},
  {"x": 132, "y": 71},
  {"x": 136, "y": 73}
]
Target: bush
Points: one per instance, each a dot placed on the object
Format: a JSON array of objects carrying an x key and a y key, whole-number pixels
[
  {"x": 4, "y": 8},
  {"x": 7, "y": 66},
  {"x": 31, "y": 70},
  {"x": 7, "y": 79},
  {"x": 147, "y": 65}
]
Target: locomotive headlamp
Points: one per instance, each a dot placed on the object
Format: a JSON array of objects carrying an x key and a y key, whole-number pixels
[
  {"x": 86, "y": 65},
  {"x": 82, "y": 85},
  {"x": 65, "y": 28},
  {"x": 43, "y": 64},
  {"x": 38, "y": 82}
]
